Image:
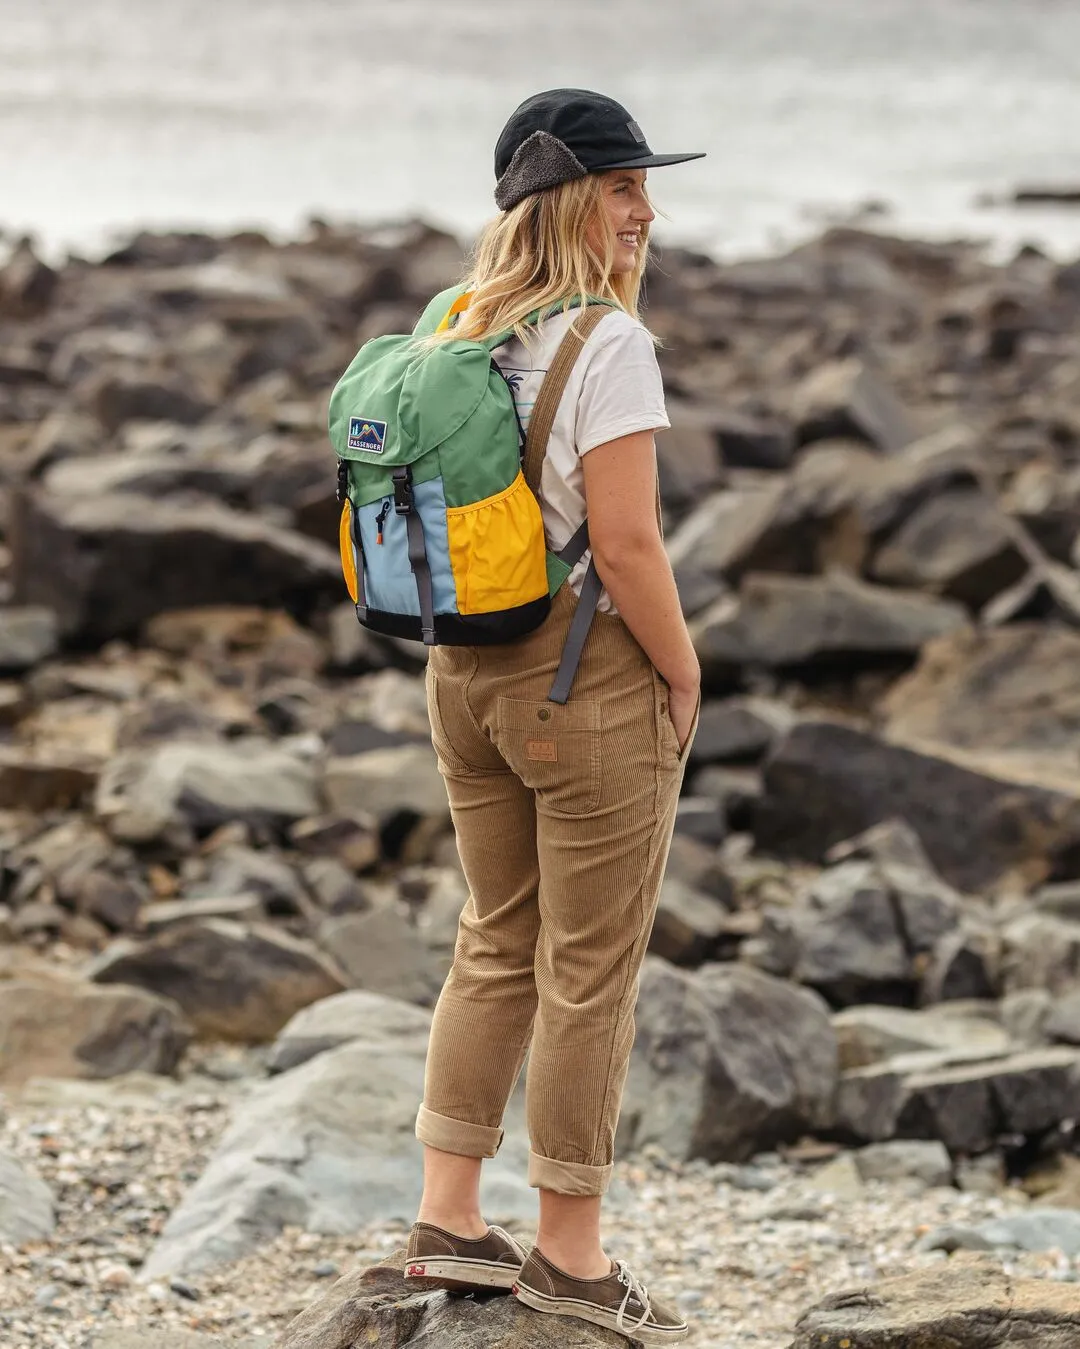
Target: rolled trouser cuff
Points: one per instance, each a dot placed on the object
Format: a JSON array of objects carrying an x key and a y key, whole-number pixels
[
  {"x": 567, "y": 1177},
  {"x": 456, "y": 1135}
]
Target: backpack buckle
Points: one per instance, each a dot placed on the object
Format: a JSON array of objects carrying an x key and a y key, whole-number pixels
[{"x": 403, "y": 493}]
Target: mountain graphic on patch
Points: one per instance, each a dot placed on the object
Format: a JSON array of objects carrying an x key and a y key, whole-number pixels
[{"x": 367, "y": 434}]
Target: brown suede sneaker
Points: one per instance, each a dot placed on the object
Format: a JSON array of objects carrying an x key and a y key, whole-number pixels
[
  {"x": 438, "y": 1259},
  {"x": 618, "y": 1302}
]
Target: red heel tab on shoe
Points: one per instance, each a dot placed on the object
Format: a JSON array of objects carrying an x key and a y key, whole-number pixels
[{"x": 416, "y": 1271}]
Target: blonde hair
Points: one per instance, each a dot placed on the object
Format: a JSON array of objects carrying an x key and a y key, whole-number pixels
[{"x": 537, "y": 255}]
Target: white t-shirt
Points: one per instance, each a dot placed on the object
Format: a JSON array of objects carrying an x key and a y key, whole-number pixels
[{"x": 614, "y": 389}]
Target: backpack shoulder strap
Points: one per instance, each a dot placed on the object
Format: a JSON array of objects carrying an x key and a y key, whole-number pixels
[{"x": 552, "y": 390}]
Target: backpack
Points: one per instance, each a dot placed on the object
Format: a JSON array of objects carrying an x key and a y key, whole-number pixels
[{"x": 442, "y": 539}]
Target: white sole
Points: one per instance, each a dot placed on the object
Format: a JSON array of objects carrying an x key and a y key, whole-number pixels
[
  {"x": 589, "y": 1311},
  {"x": 457, "y": 1271}
]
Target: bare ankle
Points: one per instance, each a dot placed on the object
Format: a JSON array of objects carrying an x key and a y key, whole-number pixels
[
  {"x": 578, "y": 1262},
  {"x": 459, "y": 1224}
]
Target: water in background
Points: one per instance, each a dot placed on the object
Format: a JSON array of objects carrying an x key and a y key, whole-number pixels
[{"x": 221, "y": 112}]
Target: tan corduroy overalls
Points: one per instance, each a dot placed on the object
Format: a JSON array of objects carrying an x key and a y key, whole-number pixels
[{"x": 563, "y": 815}]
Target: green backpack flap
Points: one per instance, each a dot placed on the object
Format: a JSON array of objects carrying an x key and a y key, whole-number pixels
[{"x": 442, "y": 538}]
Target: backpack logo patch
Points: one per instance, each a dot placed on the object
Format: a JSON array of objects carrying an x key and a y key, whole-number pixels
[{"x": 367, "y": 434}]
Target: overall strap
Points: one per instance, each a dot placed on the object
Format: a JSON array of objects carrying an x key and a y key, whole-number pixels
[{"x": 552, "y": 390}]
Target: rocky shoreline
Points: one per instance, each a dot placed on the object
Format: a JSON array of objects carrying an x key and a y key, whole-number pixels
[{"x": 228, "y": 870}]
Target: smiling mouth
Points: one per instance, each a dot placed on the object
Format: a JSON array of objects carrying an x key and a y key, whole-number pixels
[{"x": 629, "y": 239}]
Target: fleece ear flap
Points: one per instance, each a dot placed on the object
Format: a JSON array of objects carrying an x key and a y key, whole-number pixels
[{"x": 540, "y": 162}]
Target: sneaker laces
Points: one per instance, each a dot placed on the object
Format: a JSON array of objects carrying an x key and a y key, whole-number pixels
[{"x": 634, "y": 1288}]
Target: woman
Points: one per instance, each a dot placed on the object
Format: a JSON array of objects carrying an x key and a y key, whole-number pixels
[{"x": 563, "y": 814}]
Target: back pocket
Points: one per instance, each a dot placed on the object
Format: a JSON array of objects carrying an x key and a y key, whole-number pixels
[{"x": 554, "y": 749}]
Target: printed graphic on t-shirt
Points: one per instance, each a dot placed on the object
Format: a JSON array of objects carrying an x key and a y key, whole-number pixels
[{"x": 515, "y": 377}]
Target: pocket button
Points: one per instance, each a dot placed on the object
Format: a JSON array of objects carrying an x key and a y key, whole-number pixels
[{"x": 544, "y": 714}]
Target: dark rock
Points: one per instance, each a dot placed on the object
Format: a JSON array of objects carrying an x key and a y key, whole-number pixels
[
  {"x": 65, "y": 1028},
  {"x": 748, "y": 441},
  {"x": 788, "y": 621},
  {"x": 964, "y": 1306},
  {"x": 826, "y": 782},
  {"x": 968, "y": 1107},
  {"x": 1009, "y": 689},
  {"x": 1063, "y": 1022},
  {"x": 701, "y": 818},
  {"x": 88, "y": 558},
  {"x": 234, "y": 982},
  {"x": 965, "y": 963},
  {"x": 377, "y": 1306},
  {"x": 738, "y": 730},
  {"x": 108, "y": 899},
  {"x": 687, "y": 456},
  {"x": 849, "y": 398},
  {"x": 120, "y": 398},
  {"x": 27, "y": 285},
  {"x": 727, "y": 1061},
  {"x": 243, "y": 871},
  {"x": 334, "y": 888},
  {"x": 40, "y": 784},
  {"x": 351, "y": 839},
  {"x": 386, "y": 782},
  {"x": 1047, "y": 593},
  {"x": 958, "y": 544}
]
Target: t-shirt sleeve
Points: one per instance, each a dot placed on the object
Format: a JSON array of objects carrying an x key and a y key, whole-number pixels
[{"x": 622, "y": 391}]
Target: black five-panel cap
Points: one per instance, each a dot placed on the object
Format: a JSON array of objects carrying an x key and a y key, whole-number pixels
[{"x": 564, "y": 134}]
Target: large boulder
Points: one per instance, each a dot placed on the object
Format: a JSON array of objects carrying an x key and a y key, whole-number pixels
[
  {"x": 328, "y": 1146},
  {"x": 965, "y": 1304},
  {"x": 106, "y": 563},
  {"x": 826, "y": 782},
  {"x": 234, "y": 982},
  {"x": 145, "y": 795},
  {"x": 26, "y": 1205},
  {"x": 61, "y": 1027},
  {"x": 727, "y": 1062},
  {"x": 871, "y": 1034},
  {"x": 381, "y": 951},
  {"x": 781, "y": 621},
  {"x": 376, "y": 1306}
]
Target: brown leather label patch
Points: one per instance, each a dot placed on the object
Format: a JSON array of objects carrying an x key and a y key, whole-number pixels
[{"x": 544, "y": 750}]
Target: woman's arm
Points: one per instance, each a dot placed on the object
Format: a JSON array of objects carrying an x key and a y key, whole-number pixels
[{"x": 620, "y": 493}]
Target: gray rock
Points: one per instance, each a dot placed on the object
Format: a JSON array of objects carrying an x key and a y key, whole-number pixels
[
  {"x": 376, "y": 1306},
  {"x": 870, "y": 1034},
  {"x": 381, "y": 952},
  {"x": 727, "y": 1061},
  {"x": 353, "y": 840},
  {"x": 826, "y": 782},
  {"x": 26, "y": 1205},
  {"x": 785, "y": 621},
  {"x": 61, "y": 1027},
  {"x": 143, "y": 795},
  {"x": 1043, "y": 1229},
  {"x": 928, "y": 1162},
  {"x": 966, "y": 1304},
  {"x": 850, "y": 398},
  {"x": 328, "y": 1146},
  {"x": 1009, "y": 690},
  {"x": 168, "y": 913},
  {"x": 386, "y": 782},
  {"x": 1063, "y": 1023},
  {"x": 968, "y": 1106},
  {"x": 738, "y": 729},
  {"x": 688, "y": 925},
  {"x": 88, "y": 558},
  {"x": 238, "y": 870},
  {"x": 958, "y": 544},
  {"x": 27, "y": 637},
  {"x": 1041, "y": 952},
  {"x": 338, "y": 1020},
  {"x": 234, "y": 982},
  {"x": 964, "y": 963},
  {"x": 1024, "y": 1015}
]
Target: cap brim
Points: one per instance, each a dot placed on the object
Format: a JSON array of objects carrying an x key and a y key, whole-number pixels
[{"x": 648, "y": 162}]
